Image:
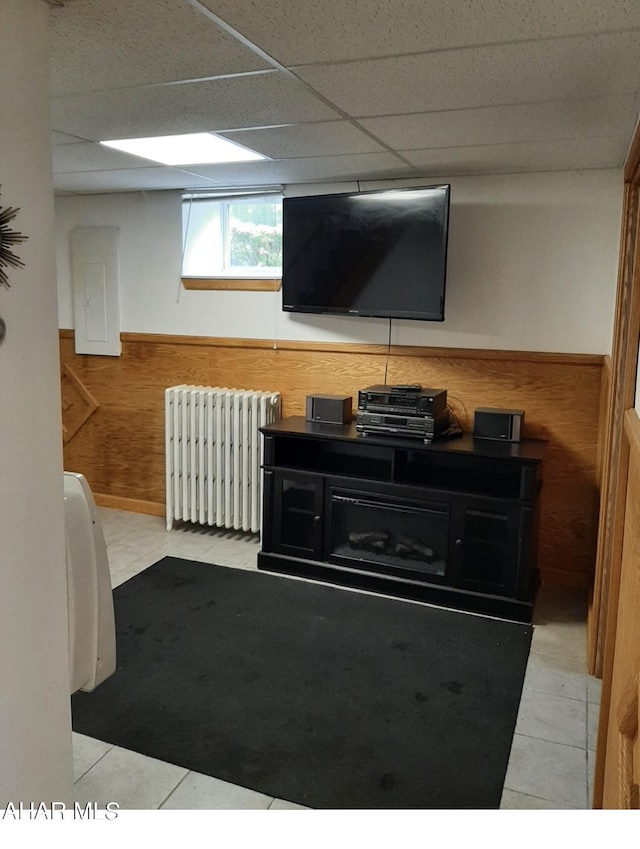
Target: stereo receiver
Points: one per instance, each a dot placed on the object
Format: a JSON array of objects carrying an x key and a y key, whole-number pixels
[{"x": 407, "y": 399}]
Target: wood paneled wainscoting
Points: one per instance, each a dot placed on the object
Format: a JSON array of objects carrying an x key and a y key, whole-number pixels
[
  {"x": 113, "y": 413},
  {"x": 617, "y": 774}
]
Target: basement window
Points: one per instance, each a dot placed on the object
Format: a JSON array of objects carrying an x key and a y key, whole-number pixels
[{"x": 232, "y": 242}]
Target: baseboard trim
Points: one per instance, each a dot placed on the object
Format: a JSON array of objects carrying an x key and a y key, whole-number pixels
[
  {"x": 563, "y": 578},
  {"x": 133, "y": 505}
]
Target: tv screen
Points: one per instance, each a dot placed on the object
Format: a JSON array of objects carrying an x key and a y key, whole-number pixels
[{"x": 379, "y": 253}]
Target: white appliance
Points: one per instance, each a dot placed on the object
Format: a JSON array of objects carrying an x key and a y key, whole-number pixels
[{"x": 92, "y": 633}]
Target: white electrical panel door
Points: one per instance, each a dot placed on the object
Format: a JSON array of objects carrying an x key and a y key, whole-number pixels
[{"x": 96, "y": 290}]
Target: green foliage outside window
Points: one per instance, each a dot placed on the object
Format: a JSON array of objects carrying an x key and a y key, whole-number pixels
[
  {"x": 261, "y": 249},
  {"x": 255, "y": 235}
]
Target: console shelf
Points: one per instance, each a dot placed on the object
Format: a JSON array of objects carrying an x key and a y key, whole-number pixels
[{"x": 450, "y": 522}]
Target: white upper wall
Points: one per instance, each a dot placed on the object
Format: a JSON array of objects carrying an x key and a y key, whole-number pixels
[{"x": 532, "y": 266}]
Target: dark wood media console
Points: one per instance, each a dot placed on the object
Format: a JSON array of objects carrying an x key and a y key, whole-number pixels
[{"x": 450, "y": 522}]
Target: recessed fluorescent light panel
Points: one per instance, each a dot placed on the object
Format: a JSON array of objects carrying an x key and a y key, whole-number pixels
[{"x": 189, "y": 149}]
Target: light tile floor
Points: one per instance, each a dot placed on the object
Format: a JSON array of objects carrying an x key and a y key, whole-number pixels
[{"x": 551, "y": 763}]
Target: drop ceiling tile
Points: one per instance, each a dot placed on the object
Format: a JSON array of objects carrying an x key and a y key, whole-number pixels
[
  {"x": 351, "y": 167},
  {"x": 223, "y": 104},
  {"x": 304, "y": 140},
  {"x": 87, "y": 156},
  {"x": 63, "y": 138},
  {"x": 482, "y": 90},
  {"x": 595, "y": 66},
  {"x": 556, "y": 119},
  {"x": 570, "y": 155},
  {"x": 309, "y": 31},
  {"x": 97, "y": 45},
  {"x": 142, "y": 179}
]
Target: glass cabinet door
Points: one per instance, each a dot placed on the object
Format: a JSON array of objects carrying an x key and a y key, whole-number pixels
[
  {"x": 298, "y": 511},
  {"x": 486, "y": 547}
]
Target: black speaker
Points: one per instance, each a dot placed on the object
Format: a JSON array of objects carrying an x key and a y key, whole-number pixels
[
  {"x": 330, "y": 409},
  {"x": 492, "y": 423}
]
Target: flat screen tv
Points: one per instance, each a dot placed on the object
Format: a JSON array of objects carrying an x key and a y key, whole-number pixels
[{"x": 377, "y": 253}]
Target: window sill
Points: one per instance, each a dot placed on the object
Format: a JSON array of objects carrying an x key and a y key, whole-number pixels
[{"x": 238, "y": 284}]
